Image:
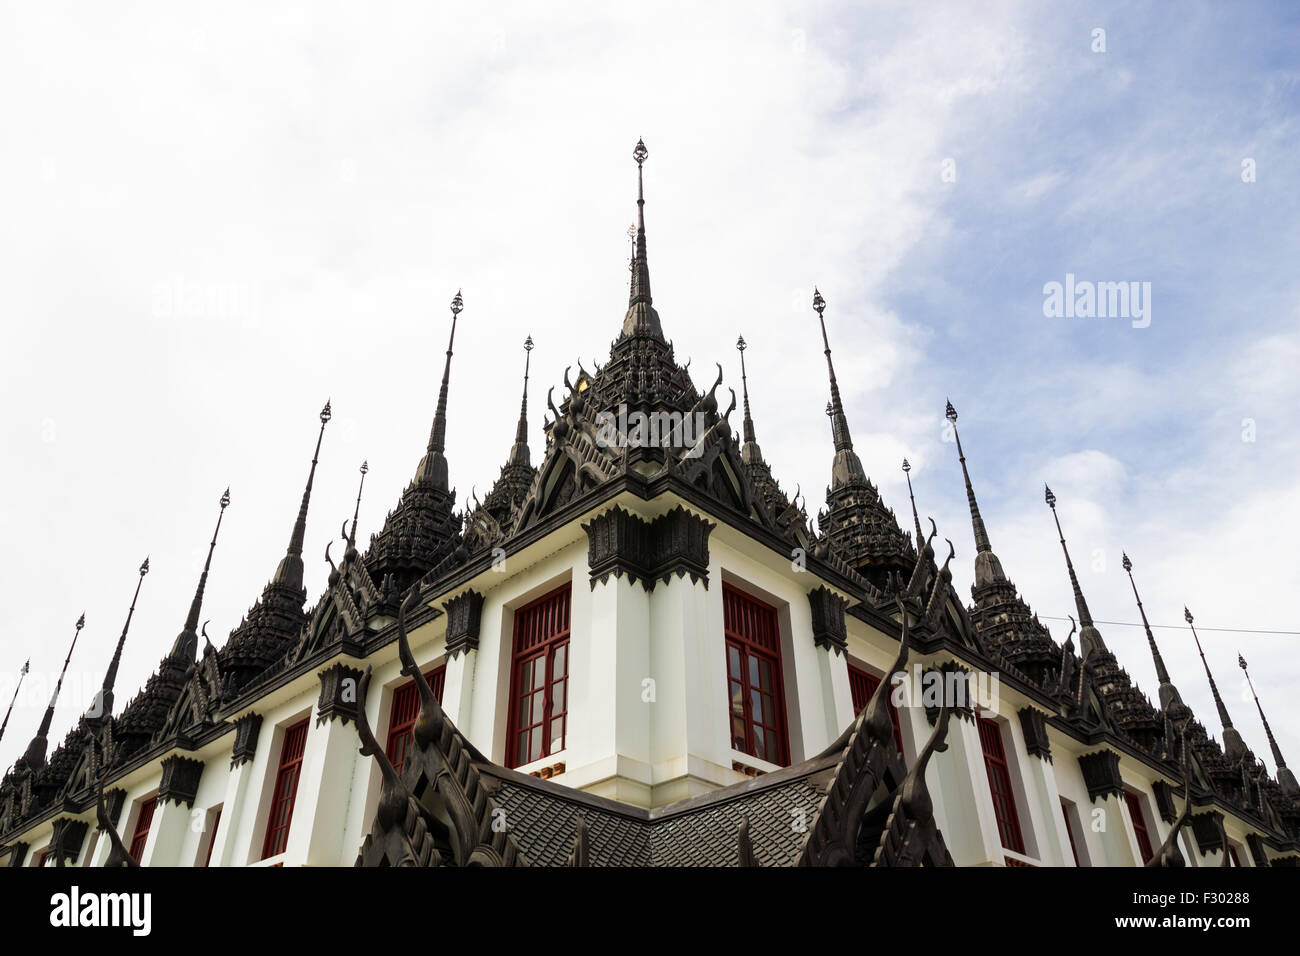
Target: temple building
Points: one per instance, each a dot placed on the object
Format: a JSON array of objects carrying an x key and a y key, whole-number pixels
[{"x": 639, "y": 649}]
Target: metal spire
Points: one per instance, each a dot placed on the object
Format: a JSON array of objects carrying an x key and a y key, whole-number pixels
[
  {"x": 352, "y": 535},
  {"x": 920, "y": 535},
  {"x": 1089, "y": 636},
  {"x": 519, "y": 453},
  {"x": 1170, "y": 700},
  {"x": 289, "y": 573},
  {"x": 27, "y": 666},
  {"x": 434, "y": 466},
  {"x": 35, "y": 755},
  {"x": 641, "y": 315},
  {"x": 1284, "y": 775},
  {"x": 1233, "y": 746},
  {"x": 847, "y": 466},
  {"x": 102, "y": 707},
  {"x": 749, "y": 451},
  {"x": 981, "y": 535},
  {"x": 186, "y": 646}
]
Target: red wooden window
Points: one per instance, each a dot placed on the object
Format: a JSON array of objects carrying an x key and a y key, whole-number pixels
[
  {"x": 862, "y": 684},
  {"x": 1069, "y": 831},
  {"x": 539, "y": 683},
  {"x": 754, "y": 681},
  {"x": 42, "y": 857},
  {"x": 1004, "y": 799},
  {"x": 1232, "y": 855},
  {"x": 1139, "y": 823},
  {"x": 286, "y": 790},
  {"x": 142, "y": 824},
  {"x": 212, "y": 838},
  {"x": 406, "y": 708}
]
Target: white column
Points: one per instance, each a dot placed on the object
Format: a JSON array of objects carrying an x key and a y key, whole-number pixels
[
  {"x": 168, "y": 832},
  {"x": 232, "y": 809},
  {"x": 320, "y": 805}
]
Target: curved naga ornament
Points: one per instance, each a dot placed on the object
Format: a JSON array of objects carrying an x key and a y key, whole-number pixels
[
  {"x": 436, "y": 812},
  {"x": 856, "y": 824}
]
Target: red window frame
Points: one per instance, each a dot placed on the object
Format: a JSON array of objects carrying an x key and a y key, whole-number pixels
[
  {"x": 405, "y": 711},
  {"x": 1069, "y": 830},
  {"x": 862, "y": 684},
  {"x": 41, "y": 858},
  {"x": 754, "y": 677},
  {"x": 1139, "y": 824},
  {"x": 212, "y": 840},
  {"x": 1232, "y": 855},
  {"x": 539, "y": 678},
  {"x": 999, "y": 774},
  {"x": 142, "y": 823},
  {"x": 286, "y": 789}
]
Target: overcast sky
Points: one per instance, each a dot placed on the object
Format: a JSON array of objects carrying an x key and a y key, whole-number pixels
[{"x": 212, "y": 219}]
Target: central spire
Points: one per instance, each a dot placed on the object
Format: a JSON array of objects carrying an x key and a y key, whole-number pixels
[
  {"x": 916, "y": 517},
  {"x": 102, "y": 708},
  {"x": 749, "y": 451},
  {"x": 988, "y": 569},
  {"x": 1233, "y": 746},
  {"x": 519, "y": 451},
  {"x": 1089, "y": 637},
  {"x": 35, "y": 755},
  {"x": 186, "y": 647},
  {"x": 433, "y": 468},
  {"x": 289, "y": 573},
  {"x": 356, "y": 512},
  {"x": 1170, "y": 701},
  {"x": 847, "y": 467},
  {"x": 641, "y": 316}
]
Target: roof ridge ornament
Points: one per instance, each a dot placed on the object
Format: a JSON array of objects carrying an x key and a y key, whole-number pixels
[
  {"x": 1284, "y": 775},
  {"x": 1233, "y": 746}
]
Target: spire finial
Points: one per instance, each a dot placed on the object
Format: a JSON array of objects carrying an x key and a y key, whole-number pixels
[
  {"x": 847, "y": 466},
  {"x": 352, "y": 535},
  {"x": 289, "y": 572},
  {"x": 1233, "y": 746},
  {"x": 920, "y": 535},
  {"x": 35, "y": 755},
  {"x": 1170, "y": 700},
  {"x": 982, "y": 545},
  {"x": 27, "y": 666},
  {"x": 434, "y": 466},
  {"x": 749, "y": 451},
  {"x": 102, "y": 707},
  {"x": 1284, "y": 775},
  {"x": 519, "y": 454},
  {"x": 186, "y": 645},
  {"x": 641, "y": 316},
  {"x": 1089, "y": 636}
]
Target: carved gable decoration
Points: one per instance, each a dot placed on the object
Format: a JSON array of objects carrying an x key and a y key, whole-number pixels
[
  {"x": 829, "y": 629},
  {"x": 1101, "y": 774},
  {"x": 619, "y": 543},
  {"x": 1034, "y": 726}
]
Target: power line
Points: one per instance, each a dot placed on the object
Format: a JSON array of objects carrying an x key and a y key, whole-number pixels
[{"x": 1179, "y": 627}]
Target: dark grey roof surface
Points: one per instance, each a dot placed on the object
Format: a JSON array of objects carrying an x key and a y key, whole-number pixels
[{"x": 700, "y": 831}]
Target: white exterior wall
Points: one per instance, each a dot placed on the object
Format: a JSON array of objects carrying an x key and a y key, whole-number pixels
[{"x": 648, "y": 722}]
